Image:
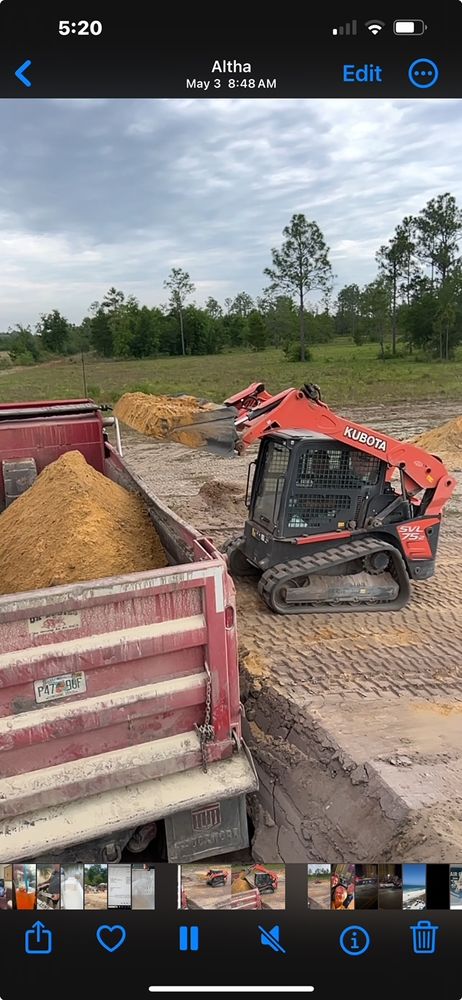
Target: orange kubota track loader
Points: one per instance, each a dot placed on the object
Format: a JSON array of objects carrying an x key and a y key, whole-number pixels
[
  {"x": 264, "y": 879},
  {"x": 341, "y": 517}
]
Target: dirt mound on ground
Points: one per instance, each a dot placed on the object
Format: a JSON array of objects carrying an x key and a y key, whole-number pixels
[
  {"x": 158, "y": 416},
  {"x": 223, "y": 495},
  {"x": 74, "y": 524},
  {"x": 444, "y": 441},
  {"x": 253, "y": 663}
]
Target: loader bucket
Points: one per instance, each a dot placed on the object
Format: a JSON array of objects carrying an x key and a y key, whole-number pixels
[{"x": 213, "y": 430}]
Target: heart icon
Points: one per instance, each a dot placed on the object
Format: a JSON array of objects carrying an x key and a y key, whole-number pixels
[{"x": 111, "y": 938}]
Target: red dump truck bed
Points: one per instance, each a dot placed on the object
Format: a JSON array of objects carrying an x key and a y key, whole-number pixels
[{"x": 105, "y": 685}]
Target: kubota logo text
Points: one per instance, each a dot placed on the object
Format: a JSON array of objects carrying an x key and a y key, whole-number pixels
[{"x": 370, "y": 439}]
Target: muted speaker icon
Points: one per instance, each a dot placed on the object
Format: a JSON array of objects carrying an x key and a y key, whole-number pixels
[{"x": 270, "y": 939}]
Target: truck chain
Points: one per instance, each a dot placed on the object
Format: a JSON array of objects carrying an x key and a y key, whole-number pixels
[
  {"x": 206, "y": 731},
  {"x": 321, "y": 561}
]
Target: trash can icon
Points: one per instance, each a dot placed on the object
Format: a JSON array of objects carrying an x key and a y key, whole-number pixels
[{"x": 424, "y": 938}]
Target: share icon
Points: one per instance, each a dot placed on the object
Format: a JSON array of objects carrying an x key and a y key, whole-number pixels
[{"x": 271, "y": 938}]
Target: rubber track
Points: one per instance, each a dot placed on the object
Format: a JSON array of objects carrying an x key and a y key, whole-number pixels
[
  {"x": 237, "y": 545},
  {"x": 321, "y": 561}
]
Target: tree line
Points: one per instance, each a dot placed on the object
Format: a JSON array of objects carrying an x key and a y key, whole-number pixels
[
  {"x": 414, "y": 304},
  {"x": 119, "y": 327},
  {"x": 416, "y": 298}
]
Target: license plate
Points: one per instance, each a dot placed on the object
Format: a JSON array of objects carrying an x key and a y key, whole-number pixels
[{"x": 64, "y": 686}]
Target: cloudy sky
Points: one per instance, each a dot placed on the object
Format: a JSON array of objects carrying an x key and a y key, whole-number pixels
[{"x": 100, "y": 193}]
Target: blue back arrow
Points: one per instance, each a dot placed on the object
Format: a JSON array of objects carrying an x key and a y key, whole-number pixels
[{"x": 20, "y": 73}]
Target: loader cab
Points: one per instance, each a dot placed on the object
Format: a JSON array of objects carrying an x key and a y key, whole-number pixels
[{"x": 308, "y": 484}]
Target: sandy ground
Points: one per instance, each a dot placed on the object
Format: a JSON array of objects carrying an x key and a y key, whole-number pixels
[
  {"x": 200, "y": 895},
  {"x": 95, "y": 900},
  {"x": 319, "y": 894},
  {"x": 378, "y": 697},
  {"x": 414, "y": 899},
  {"x": 269, "y": 900}
]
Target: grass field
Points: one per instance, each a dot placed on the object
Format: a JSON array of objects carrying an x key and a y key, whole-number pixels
[{"x": 347, "y": 375}]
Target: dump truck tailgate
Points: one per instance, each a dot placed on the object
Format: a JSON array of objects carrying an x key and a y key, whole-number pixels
[
  {"x": 105, "y": 684},
  {"x": 102, "y": 686}
]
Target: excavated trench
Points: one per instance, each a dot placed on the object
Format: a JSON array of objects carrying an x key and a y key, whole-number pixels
[{"x": 354, "y": 720}]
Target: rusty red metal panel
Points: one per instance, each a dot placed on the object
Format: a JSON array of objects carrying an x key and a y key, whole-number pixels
[
  {"x": 77, "y": 743},
  {"x": 32, "y": 404},
  {"x": 46, "y": 440},
  {"x": 137, "y": 647},
  {"x": 148, "y": 640},
  {"x": 96, "y": 652},
  {"x": 21, "y": 697},
  {"x": 133, "y": 602},
  {"x": 232, "y": 655},
  {"x": 217, "y": 656}
]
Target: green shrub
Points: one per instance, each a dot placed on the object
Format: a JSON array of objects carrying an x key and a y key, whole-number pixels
[
  {"x": 388, "y": 356},
  {"x": 25, "y": 358},
  {"x": 292, "y": 351}
]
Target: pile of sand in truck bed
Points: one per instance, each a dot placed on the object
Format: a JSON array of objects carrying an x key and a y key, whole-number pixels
[
  {"x": 444, "y": 441},
  {"x": 74, "y": 524},
  {"x": 158, "y": 416},
  {"x": 240, "y": 884}
]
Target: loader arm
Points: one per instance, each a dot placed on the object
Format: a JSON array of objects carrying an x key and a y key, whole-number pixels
[
  {"x": 249, "y": 398},
  {"x": 303, "y": 409}
]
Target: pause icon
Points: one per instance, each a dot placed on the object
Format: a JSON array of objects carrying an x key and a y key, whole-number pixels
[{"x": 189, "y": 938}]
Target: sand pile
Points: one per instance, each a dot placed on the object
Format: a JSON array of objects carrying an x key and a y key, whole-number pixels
[
  {"x": 222, "y": 495},
  {"x": 444, "y": 441},
  {"x": 240, "y": 885},
  {"x": 74, "y": 524},
  {"x": 158, "y": 416}
]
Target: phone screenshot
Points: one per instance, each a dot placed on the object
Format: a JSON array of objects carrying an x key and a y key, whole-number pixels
[{"x": 230, "y": 500}]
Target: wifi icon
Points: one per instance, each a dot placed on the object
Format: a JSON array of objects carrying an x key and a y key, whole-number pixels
[{"x": 374, "y": 26}]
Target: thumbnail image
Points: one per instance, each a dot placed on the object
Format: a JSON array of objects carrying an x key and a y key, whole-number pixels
[
  {"x": 319, "y": 887},
  {"x": 205, "y": 888},
  {"x": 390, "y": 887},
  {"x": 95, "y": 887},
  {"x": 143, "y": 887},
  {"x": 24, "y": 887},
  {"x": 119, "y": 887},
  {"x": 455, "y": 885},
  {"x": 414, "y": 887},
  {"x": 266, "y": 885},
  {"x": 342, "y": 887},
  {"x": 48, "y": 886},
  {"x": 72, "y": 887},
  {"x": 366, "y": 887},
  {"x": 6, "y": 887}
]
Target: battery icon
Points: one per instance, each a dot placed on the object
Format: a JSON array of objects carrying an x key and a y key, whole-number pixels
[{"x": 416, "y": 27}]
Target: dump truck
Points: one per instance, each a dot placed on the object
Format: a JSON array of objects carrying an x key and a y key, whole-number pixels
[{"x": 119, "y": 697}]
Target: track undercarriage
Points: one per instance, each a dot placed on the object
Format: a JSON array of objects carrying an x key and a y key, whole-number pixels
[{"x": 363, "y": 575}]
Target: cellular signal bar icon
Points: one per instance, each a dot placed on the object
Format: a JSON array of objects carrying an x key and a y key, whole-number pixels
[{"x": 350, "y": 28}]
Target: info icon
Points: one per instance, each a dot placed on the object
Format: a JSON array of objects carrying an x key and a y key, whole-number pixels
[{"x": 354, "y": 940}]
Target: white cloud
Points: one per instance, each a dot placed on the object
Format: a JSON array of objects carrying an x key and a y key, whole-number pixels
[{"x": 118, "y": 192}]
